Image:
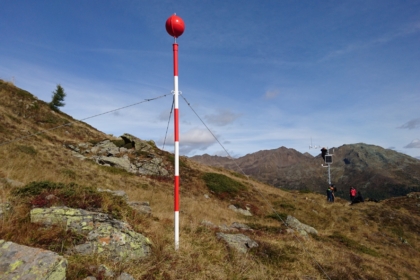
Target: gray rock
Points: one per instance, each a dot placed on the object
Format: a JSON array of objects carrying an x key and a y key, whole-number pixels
[
  {"x": 4, "y": 208},
  {"x": 240, "y": 210},
  {"x": 106, "y": 148},
  {"x": 119, "y": 193},
  {"x": 23, "y": 262},
  {"x": 208, "y": 224},
  {"x": 14, "y": 183},
  {"x": 105, "y": 271},
  {"x": 123, "y": 163},
  {"x": 239, "y": 242},
  {"x": 240, "y": 226},
  {"x": 105, "y": 235},
  {"x": 302, "y": 228},
  {"x": 77, "y": 155},
  {"x": 138, "y": 144},
  {"x": 224, "y": 227},
  {"x": 414, "y": 195},
  {"x": 85, "y": 145},
  {"x": 142, "y": 207},
  {"x": 125, "y": 276}
]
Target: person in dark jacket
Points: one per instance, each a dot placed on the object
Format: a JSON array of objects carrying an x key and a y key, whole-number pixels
[
  {"x": 358, "y": 198},
  {"x": 329, "y": 194}
]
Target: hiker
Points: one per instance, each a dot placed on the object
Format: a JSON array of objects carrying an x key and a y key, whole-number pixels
[
  {"x": 352, "y": 193},
  {"x": 333, "y": 189},
  {"x": 329, "y": 194},
  {"x": 358, "y": 198}
]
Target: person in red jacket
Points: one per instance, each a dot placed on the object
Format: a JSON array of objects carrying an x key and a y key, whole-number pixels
[{"x": 352, "y": 193}]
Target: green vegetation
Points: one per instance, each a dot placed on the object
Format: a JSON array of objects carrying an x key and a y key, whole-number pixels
[
  {"x": 119, "y": 143},
  {"x": 273, "y": 255},
  {"x": 264, "y": 228},
  {"x": 57, "y": 98},
  {"x": 351, "y": 244},
  {"x": 182, "y": 161},
  {"x": 284, "y": 205},
  {"x": 305, "y": 191},
  {"x": 281, "y": 217},
  {"x": 69, "y": 173},
  {"x": 27, "y": 150},
  {"x": 222, "y": 184},
  {"x": 115, "y": 170},
  {"x": 47, "y": 194}
]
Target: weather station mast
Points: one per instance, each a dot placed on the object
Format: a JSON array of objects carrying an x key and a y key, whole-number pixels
[
  {"x": 175, "y": 27},
  {"x": 327, "y": 157}
]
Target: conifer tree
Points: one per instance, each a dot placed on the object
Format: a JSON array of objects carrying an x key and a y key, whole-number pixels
[{"x": 57, "y": 98}]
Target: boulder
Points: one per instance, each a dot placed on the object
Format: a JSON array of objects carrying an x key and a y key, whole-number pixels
[
  {"x": 123, "y": 163},
  {"x": 104, "y": 234},
  {"x": 239, "y": 242},
  {"x": 23, "y": 262},
  {"x": 300, "y": 227}
]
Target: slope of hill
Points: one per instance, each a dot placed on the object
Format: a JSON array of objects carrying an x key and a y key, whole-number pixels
[
  {"x": 363, "y": 241},
  {"x": 377, "y": 172}
]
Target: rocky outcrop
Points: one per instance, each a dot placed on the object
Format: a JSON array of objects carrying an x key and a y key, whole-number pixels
[
  {"x": 135, "y": 155},
  {"x": 104, "y": 235},
  {"x": 138, "y": 144},
  {"x": 23, "y": 262}
]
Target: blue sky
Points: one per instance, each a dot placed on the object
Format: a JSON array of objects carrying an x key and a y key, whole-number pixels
[{"x": 260, "y": 74}]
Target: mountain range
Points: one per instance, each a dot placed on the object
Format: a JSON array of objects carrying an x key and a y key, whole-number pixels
[{"x": 376, "y": 172}]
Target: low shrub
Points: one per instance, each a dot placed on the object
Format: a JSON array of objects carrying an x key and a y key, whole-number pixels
[
  {"x": 281, "y": 217},
  {"x": 29, "y": 150},
  {"x": 273, "y": 255},
  {"x": 222, "y": 185}
]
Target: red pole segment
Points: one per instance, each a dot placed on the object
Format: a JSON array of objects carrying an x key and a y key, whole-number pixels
[{"x": 176, "y": 144}]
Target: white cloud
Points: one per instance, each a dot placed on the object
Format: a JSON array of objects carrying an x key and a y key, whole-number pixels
[
  {"x": 411, "y": 124},
  {"x": 414, "y": 144},
  {"x": 406, "y": 31},
  {"x": 195, "y": 139},
  {"x": 222, "y": 118},
  {"x": 271, "y": 94}
]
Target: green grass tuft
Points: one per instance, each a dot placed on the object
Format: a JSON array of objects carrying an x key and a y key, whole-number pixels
[
  {"x": 221, "y": 184},
  {"x": 353, "y": 244}
]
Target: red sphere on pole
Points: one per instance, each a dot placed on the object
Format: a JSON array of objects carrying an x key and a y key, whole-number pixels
[{"x": 175, "y": 26}]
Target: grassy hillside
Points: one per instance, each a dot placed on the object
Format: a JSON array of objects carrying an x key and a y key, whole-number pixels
[{"x": 362, "y": 241}]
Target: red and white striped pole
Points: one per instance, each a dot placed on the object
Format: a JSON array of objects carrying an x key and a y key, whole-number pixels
[{"x": 175, "y": 27}]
